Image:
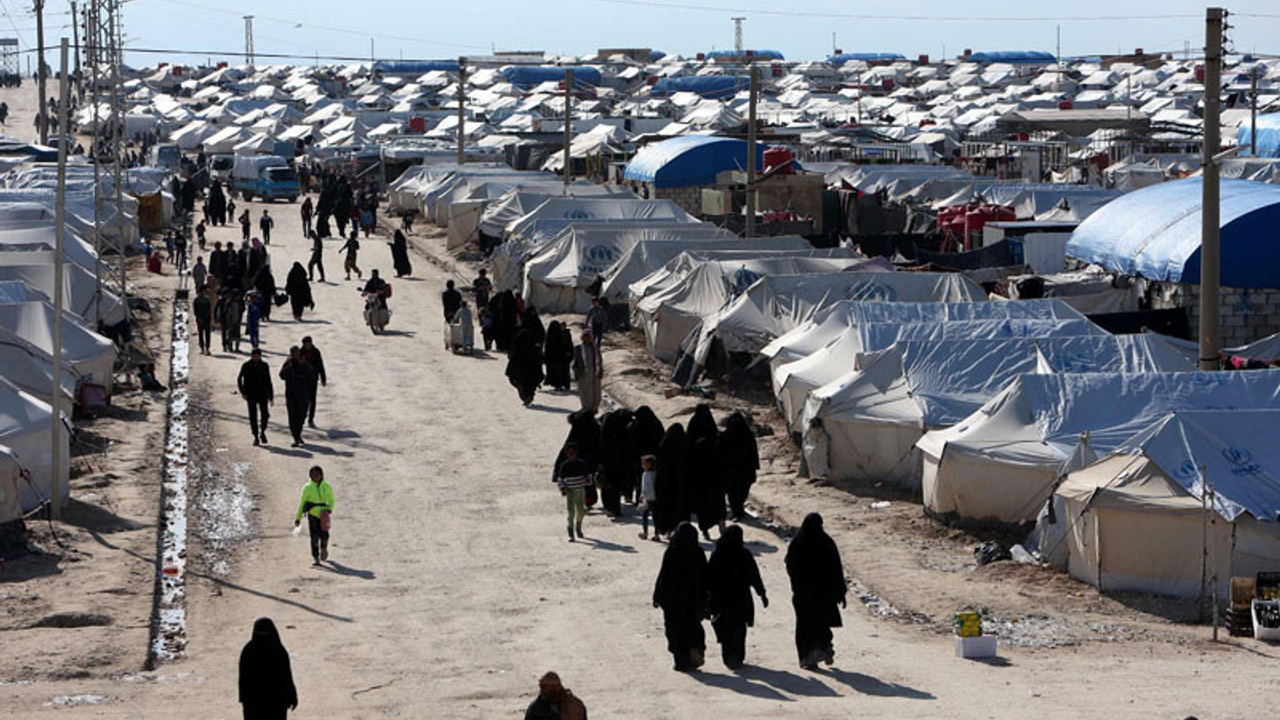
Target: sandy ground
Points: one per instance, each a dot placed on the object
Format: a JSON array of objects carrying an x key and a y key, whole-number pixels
[{"x": 452, "y": 587}]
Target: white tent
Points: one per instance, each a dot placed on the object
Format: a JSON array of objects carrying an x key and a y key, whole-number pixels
[
  {"x": 870, "y": 418},
  {"x": 777, "y": 304},
  {"x": 30, "y": 369},
  {"x": 558, "y": 277},
  {"x": 693, "y": 289},
  {"x": 77, "y": 250},
  {"x": 80, "y": 290},
  {"x": 554, "y": 214},
  {"x": 652, "y": 253},
  {"x": 91, "y": 355},
  {"x": 1001, "y": 463},
  {"x": 1136, "y": 520},
  {"x": 24, "y": 429}
]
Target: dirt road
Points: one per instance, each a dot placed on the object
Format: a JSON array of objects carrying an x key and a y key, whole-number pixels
[{"x": 452, "y": 586}]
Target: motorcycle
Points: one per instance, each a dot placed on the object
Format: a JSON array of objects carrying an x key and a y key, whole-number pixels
[{"x": 376, "y": 312}]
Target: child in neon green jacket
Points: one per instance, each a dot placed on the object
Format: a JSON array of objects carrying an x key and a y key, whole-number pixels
[{"x": 317, "y": 504}]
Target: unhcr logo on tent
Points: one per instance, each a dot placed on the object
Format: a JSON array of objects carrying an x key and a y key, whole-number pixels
[
  {"x": 744, "y": 279},
  {"x": 599, "y": 254},
  {"x": 1186, "y": 471},
  {"x": 578, "y": 214},
  {"x": 1242, "y": 462},
  {"x": 872, "y": 292}
]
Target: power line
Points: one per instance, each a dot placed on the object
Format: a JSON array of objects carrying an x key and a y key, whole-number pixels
[
  {"x": 873, "y": 16},
  {"x": 325, "y": 28}
]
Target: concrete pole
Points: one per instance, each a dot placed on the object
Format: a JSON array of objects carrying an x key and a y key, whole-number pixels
[
  {"x": 40, "y": 73},
  {"x": 59, "y": 228},
  {"x": 75, "y": 35},
  {"x": 1253, "y": 112},
  {"x": 754, "y": 92},
  {"x": 462, "y": 105},
  {"x": 1210, "y": 268},
  {"x": 568, "y": 125}
]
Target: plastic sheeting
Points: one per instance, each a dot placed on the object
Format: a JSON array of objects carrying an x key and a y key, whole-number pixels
[
  {"x": 24, "y": 429},
  {"x": 1268, "y": 135},
  {"x": 91, "y": 355},
  {"x": 651, "y": 255},
  {"x": 1155, "y": 233},
  {"x": 1001, "y": 462},
  {"x": 80, "y": 291},
  {"x": 689, "y": 160}
]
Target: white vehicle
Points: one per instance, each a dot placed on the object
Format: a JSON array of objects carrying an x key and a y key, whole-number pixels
[
  {"x": 220, "y": 167},
  {"x": 167, "y": 156}
]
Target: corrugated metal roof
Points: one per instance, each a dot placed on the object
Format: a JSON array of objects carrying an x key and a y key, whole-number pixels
[{"x": 689, "y": 160}]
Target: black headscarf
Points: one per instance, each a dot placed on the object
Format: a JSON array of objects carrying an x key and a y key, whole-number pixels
[
  {"x": 681, "y": 581},
  {"x": 558, "y": 352},
  {"x": 668, "y": 484},
  {"x": 616, "y": 457},
  {"x": 524, "y": 363},
  {"x": 298, "y": 287},
  {"x": 816, "y": 573},
  {"x": 531, "y": 322},
  {"x": 702, "y": 424},
  {"x": 266, "y": 680},
  {"x": 704, "y": 480},
  {"x": 584, "y": 432},
  {"x": 731, "y": 573},
  {"x": 646, "y": 431}
]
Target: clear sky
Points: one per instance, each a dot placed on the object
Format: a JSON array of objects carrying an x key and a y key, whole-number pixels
[{"x": 800, "y": 29}]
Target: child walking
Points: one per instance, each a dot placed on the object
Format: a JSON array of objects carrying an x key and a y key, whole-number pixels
[
  {"x": 648, "y": 497},
  {"x": 573, "y": 477}
]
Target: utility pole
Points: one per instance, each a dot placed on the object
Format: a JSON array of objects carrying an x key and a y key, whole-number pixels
[
  {"x": 462, "y": 110},
  {"x": 59, "y": 228},
  {"x": 248, "y": 41},
  {"x": 372, "y": 57},
  {"x": 93, "y": 37},
  {"x": 1210, "y": 268},
  {"x": 40, "y": 73},
  {"x": 75, "y": 36},
  {"x": 568, "y": 125},
  {"x": 1253, "y": 111},
  {"x": 1058, "y": 60},
  {"x": 115, "y": 55},
  {"x": 750, "y": 229},
  {"x": 737, "y": 35}
]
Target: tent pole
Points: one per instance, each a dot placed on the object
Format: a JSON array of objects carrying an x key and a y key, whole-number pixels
[
  {"x": 568, "y": 125},
  {"x": 1214, "y": 574},
  {"x": 59, "y": 226},
  {"x": 1204, "y": 540}
]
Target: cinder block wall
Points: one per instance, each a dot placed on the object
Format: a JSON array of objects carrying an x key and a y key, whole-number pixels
[
  {"x": 688, "y": 197},
  {"x": 1248, "y": 314}
]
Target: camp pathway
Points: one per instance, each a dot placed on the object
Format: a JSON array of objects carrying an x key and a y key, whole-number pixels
[{"x": 452, "y": 587}]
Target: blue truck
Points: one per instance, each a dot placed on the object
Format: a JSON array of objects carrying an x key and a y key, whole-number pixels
[{"x": 268, "y": 177}]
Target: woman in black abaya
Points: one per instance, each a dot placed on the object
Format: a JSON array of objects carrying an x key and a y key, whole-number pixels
[
  {"x": 299, "y": 290},
  {"x": 400, "y": 254},
  {"x": 558, "y": 351},
  {"x": 817, "y": 591},
  {"x": 732, "y": 573},
  {"x": 524, "y": 365},
  {"x": 740, "y": 459},
  {"x": 505, "y": 322},
  {"x": 680, "y": 592},
  {"x": 617, "y": 469},
  {"x": 669, "y": 482},
  {"x": 266, "y": 680},
  {"x": 704, "y": 483}
]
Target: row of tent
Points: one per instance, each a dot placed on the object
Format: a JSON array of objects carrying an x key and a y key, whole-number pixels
[{"x": 91, "y": 310}]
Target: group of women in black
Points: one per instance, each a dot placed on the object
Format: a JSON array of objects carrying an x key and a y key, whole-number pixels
[
  {"x": 536, "y": 355},
  {"x": 691, "y": 588}
]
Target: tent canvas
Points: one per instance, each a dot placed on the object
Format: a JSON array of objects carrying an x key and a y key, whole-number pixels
[
  {"x": 30, "y": 369},
  {"x": 91, "y": 355},
  {"x": 659, "y": 248},
  {"x": 874, "y": 415},
  {"x": 1001, "y": 463},
  {"x": 1135, "y": 520},
  {"x": 555, "y": 213},
  {"x": 77, "y": 250},
  {"x": 10, "y": 487},
  {"x": 24, "y": 429},
  {"x": 80, "y": 290},
  {"x": 777, "y": 304}
]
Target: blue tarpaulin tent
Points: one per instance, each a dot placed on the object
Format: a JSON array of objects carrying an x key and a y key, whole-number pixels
[
  {"x": 414, "y": 67},
  {"x": 734, "y": 54},
  {"x": 1155, "y": 233},
  {"x": 689, "y": 160},
  {"x": 708, "y": 86},
  {"x": 1268, "y": 136},
  {"x": 526, "y": 76},
  {"x": 1014, "y": 57},
  {"x": 867, "y": 57}
]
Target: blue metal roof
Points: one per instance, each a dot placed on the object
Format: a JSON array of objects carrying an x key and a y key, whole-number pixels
[
  {"x": 708, "y": 86},
  {"x": 414, "y": 67},
  {"x": 868, "y": 57},
  {"x": 756, "y": 54},
  {"x": 1014, "y": 57},
  {"x": 526, "y": 76},
  {"x": 689, "y": 160},
  {"x": 1268, "y": 135},
  {"x": 1155, "y": 233}
]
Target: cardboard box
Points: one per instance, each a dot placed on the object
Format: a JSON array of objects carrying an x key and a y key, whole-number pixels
[{"x": 983, "y": 646}]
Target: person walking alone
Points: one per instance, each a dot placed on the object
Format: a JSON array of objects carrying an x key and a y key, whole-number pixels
[
  {"x": 265, "y": 223},
  {"x": 254, "y": 384},
  {"x": 588, "y": 371},
  {"x": 352, "y": 248},
  {"x": 817, "y": 588},
  {"x": 298, "y": 377},
  {"x": 317, "y": 257},
  {"x": 312, "y": 355},
  {"x": 317, "y": 504},
  {"x": 245, "y": 224},
  {"x": 202, "y": 309},
  {"x": 573, "y": 477},
  {"x": 267, "y": 691},
  {"x": 307, "y": 210},
  {"x": 732, "y": 574},
  {"x": 555, "y": 702}
]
